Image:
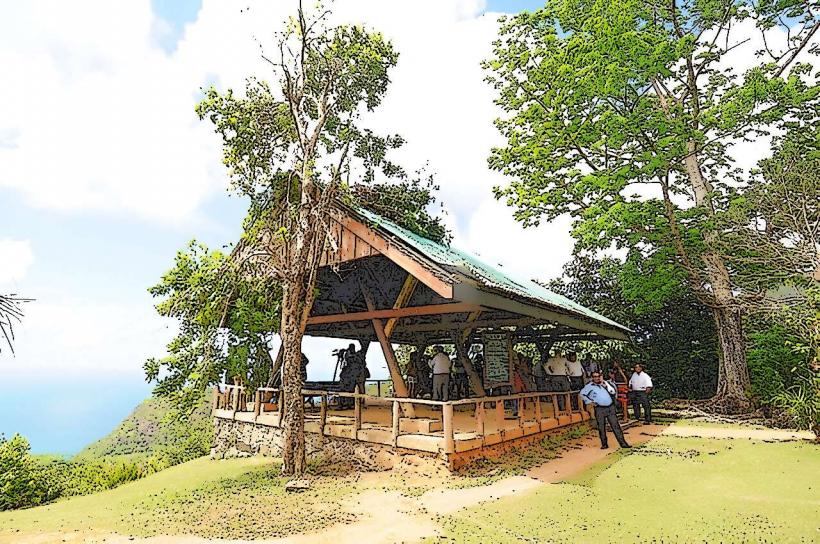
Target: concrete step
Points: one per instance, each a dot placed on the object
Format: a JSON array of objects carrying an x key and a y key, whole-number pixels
[{"x": 423, "y": 425}]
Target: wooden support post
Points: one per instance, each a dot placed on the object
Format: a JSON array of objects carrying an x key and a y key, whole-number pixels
[
  {"x": 554, "y": 399},
  {"x": 479, "y": 419},
  {"x": 522, "y": 405},
  {"x": 323, "y": 414},
  {"x": 447, "y": 425},
  {"x": 538, "y": 410},
  {"x": 399, "y": 387},
  {"x": 406, "y": 292},
  {"x": 567, "y": 400},
  {"x": 215, "y": 399},
  {"x": 257, "y": 404},
  {"x": 396, "y": 419},
  {"x": 499, "y": 414},
  {"x": 459, "y": 339}
]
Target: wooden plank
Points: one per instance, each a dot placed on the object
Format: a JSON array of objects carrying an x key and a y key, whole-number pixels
[
  {"x": 214, "y": 399},
  {"x": 362, "y": 248},
  {"x": 404, "y": 260},
  {"x": 348, "y": 248},
  {"x": 447, "y": 426},
  {"x": 430, "y": 309},
  {"x": 405, "y": 293}
]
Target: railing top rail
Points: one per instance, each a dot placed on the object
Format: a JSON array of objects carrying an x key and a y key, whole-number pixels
[{"x": 428, "y": 402}]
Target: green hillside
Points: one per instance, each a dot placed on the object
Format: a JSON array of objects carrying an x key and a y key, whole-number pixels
[{"x": 152, "y": 427}]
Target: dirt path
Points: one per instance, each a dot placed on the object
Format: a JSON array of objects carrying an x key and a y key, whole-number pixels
[{"x": 775, "y": 435}]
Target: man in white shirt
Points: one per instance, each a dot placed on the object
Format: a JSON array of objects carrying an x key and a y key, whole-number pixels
[
  {"x": 641, "y": 386},
  {"x": 575, "y": 371},
  {"x": 440, "y": 363},
  {"x": 557, "y": 380}
]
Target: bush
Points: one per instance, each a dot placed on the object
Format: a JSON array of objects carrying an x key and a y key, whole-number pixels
[
  {"x": 801, "y": 402},
  {"x": 774, "y": 366},
  {"x": 21, "y": 483}
]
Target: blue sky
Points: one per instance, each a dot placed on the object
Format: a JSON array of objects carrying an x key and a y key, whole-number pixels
[{"x": 105, "y": 173}]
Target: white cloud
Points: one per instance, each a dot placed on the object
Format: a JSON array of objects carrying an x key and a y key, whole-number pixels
[
  {"x": 16, "y": 256},
  {"x": 95, "y": 116},
  {"x": 64, "y": 336}
]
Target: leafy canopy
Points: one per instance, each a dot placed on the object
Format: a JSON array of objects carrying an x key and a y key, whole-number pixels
[{"x": 611, "y": 107}]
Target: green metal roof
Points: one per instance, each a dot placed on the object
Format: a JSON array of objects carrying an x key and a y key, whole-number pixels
[{"x": 484, "y": 274}]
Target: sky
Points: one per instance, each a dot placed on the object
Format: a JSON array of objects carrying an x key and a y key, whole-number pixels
[{"x": 105, "y": 172}]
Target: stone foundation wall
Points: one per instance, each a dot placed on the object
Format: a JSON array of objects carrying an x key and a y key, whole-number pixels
[{"x": 242, "y": 439}]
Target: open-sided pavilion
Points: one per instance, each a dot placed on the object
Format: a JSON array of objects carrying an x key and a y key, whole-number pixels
[{"x": 381, "y": 283}]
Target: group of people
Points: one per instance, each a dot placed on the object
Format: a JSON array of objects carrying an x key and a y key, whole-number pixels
[
  {"x": 438, "y": 377},
  {"x": 602, "y": 395}
]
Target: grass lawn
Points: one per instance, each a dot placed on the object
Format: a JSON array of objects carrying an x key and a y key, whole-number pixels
[
  {"x": 669, "y": 490},
  {"x": 237, "y": 498}
]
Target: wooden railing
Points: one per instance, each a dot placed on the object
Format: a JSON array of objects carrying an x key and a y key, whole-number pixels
[{"x": 236, "y": 399}]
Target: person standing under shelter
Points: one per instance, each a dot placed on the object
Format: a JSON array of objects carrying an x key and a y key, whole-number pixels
[
  {"x": 557, "y": 379},
  {"x": 601, "y": 395},
  {"x": 641, "y": 386},
  {"x": 575, "y": 371},
  {"x": 590, "y": 365},
  {"x": 440, "y": 363}
]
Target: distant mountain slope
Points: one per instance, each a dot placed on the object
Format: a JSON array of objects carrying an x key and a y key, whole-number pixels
[{"x": 153, "y": 426}]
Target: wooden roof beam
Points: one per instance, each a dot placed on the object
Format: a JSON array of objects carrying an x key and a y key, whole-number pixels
[{"x": 430, "y": 309}]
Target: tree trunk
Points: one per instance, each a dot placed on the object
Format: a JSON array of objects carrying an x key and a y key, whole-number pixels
[
  {"x": 733, "y": 374},
  {"x": 293, "y": 422}
]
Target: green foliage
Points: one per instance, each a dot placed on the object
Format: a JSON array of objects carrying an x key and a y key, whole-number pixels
[
  {"x": 623, "y": 115},
  {"x": 20, "y": 482},
  {"x": 155, "y": 427},
  {"x": 226, "y": 321},
  {"x": 801, "y": 402},
  {"x": 406, "y": 203},
  {"x": 773, "y": 364},
  {"x": 675, "y": 337},
  {"x": 154, "y": 437}
]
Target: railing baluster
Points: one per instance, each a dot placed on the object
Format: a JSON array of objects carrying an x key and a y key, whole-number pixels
[{"x": 396, "y": 421}]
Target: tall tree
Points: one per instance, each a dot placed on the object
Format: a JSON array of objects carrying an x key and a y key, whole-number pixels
[
  {"x": 623, "y": 114},
  {"x": 292, "y": 148}
]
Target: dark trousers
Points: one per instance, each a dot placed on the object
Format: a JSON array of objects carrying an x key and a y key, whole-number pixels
[
  {"x": 604, "y": 414},
  {"x": 558, "y": 384},
  {"x": 441, "y": 386},
  {"x": 639, "y": 399}
]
